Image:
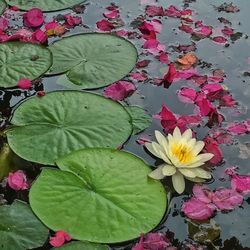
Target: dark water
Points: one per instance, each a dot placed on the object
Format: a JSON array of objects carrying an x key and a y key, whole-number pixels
[{"x": 235, "y": 225}]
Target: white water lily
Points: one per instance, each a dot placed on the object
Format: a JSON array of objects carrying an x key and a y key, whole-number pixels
[{"x": 181, "y": 154}]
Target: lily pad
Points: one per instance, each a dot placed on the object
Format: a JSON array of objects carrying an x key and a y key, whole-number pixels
[
  {"x": 45, "y": 5},
  {"x": 64, "y": 121},
  {"x": 99, "y": 195},
  {"x": 19, "y": 228},
  {"x": 93, "y": 60},
  {"x": 140, "y": 119},
  {"x": 78, "y": 245},
  {"x": 22, "y": 60},
  {"x": 2, "y": 6}
]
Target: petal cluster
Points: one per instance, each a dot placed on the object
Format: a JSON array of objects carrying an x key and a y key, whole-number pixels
[{"x": 181, "y": 156}]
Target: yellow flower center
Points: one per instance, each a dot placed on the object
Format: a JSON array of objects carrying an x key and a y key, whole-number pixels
[{"x": 182, "y": 152}]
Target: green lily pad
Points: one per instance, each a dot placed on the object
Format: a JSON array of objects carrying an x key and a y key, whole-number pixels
[
  {"x": 19, "y": 228},
  {"x": 64, "y": 121},
  {"x": 45, "y": 5},
  {"x": 140, "y": 119},
  {"x": 22, "y": 60},
  {"x": 99, "y": 195},
  {"x": 93, "y": 60},
  {"x": 78, "y": 245},
  {"x": 3, "y": 5}
]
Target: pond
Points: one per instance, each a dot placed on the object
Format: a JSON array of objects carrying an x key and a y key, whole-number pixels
[{"x": 215, "y": 36}]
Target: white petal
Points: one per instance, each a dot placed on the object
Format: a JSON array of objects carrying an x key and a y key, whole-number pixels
[
  {"x": 165, "y": 158},
  {"x": 195, "y": 164},
  {"x": 201, "y": 173},
  {"x": 198, "y": 147},
  {"x": 187, "y": 172},
  {"x": 205, "y": 157},
  {"x": 177, "y": 133},
  {"x": 196, "y": 179},
  {"x": 178, "y": 182},
  {"x": 168, "y": 170},
  {"x": 187, "y": 135},
  {"x": 161, "y": 139},
  {"x": 157, "y": 173},
  {"x": 191, "y": 143},
  {"x": 149, "y": 147}
]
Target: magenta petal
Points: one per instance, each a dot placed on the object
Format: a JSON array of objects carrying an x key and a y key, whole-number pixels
[
  {"x": 227, "y": 199},
  {"x": 59, "y": 239},
  {"x": 24, "y": 83},
  {"x": 153, "y": 10},
  {"x": 33, "y": 18},
  {"x": 241, "y": 183},
  {"x": 211, "y": 146},
  {"x": 202, "y": 193},
  {"x": 171, "y": 75},
  {"x": 237, "y": 128},
  {"x": 112, "y": 15},
  {"x": 119, "y": 90},
  {"x": 155, "y": 241},
  {"x": 105, "y": 25},
  {"x": 187, "y": 95},
  {"x": 219, "y": 39},
  {"x": 17, "y": 180},
  {"x": 197, "y": 210}
]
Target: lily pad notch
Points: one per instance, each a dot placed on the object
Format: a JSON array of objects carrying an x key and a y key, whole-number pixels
[{"x": 93, "y": 60}]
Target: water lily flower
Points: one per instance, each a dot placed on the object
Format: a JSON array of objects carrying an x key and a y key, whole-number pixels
[{"x": 181, "y": 154}]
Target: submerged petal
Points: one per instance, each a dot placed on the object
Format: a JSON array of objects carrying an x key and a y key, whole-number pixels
[{"x": 178, "y": 182}]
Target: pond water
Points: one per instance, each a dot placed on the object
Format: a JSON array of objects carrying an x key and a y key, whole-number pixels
[{"x": 232, "y": 58}]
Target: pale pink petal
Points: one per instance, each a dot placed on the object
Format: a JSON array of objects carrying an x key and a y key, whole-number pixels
[{"x": 17, "y": 180}]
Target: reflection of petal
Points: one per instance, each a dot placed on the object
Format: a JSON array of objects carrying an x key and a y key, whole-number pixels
[
  {"x": 168, "y": 170},
  {"x": 157, "y": 173},
  {"x": 178, "y": 182}
]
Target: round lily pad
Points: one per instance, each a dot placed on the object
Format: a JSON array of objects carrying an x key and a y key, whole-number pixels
[
  {"x": 79, "y": 245},
  {"x": 99, "y": 195},
  {"x": 45, "y": 5},
  {"x": 2, "y": 6},
  {"x": 22, "y": 60},
  {"x": 63, "y": 121},
  {"x": 19, "y": 228},
  {"x": 93, "y": 60}
]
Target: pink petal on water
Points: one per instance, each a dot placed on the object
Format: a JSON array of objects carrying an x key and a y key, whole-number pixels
[
  {"x": 153, "y": 10},
  {"x": 202, "y": 193},
  {"x": 24, "y": 83},
  {"x": 33, "y": 18},
  {"x": 171, "y": 75},
  {"x": 187, "y": 95},
  {"x": 227, "y": 199},
  {"x": 3, "y": 23},
  {"x": 237, "y": 128},
  {"x": 212, "y": 146},
  {"x": 112, "y": 14},
  {"x": 119, "y": 90},
  {"x": 39, "y": 36},
  {"x": 197, "y": 210},
  {"x": 219, "y": 39},
  {"x": 59, "y": 239},
  {"x": 17, "y": 180},
  {"x": 104, "y": 25},
  {"x": 241, "y": 183}
]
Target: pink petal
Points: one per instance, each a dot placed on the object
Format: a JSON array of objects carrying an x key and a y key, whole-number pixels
[
  {"x": 24, "y": 83},
  {"x": 219, "y": 39},
  {"x": 241, "y": 183},
  {"x": 39, "y": 36},
  {"x": 197, "y": 210},
  {"x": 187, "y": 95},
  {"x": 51, "y": 25},
  {"x": 172, "y": 11},
  {"x": 33, "y": 18},
  {"x": 237, "y": 128},
  {"x": 59, "y": 239},
  {"x": 17, "y": 180},
  {"x": 139, "y": 76},
  {"x": 227, "y": 31},
  {"x": 164, "y": 58},
  {"x": 202, "y": 193},
  {"x": 204, "y": 31},
  {"x": 153, "y": 10},
  {"x": 3, "y": 23},
  {"x": 227, "y": 199},
  {"x": 105, "y": 25},
  {"x": 171, "y": 75},
  {"x": 72, "y": 21},
  {"x": 186, "y": 28},
  {"x": 113, "y": 14},
  {"x": 211, "y": 146},
  {"x": 119, "y": 90},
  {"x": 205, "y": 106}
]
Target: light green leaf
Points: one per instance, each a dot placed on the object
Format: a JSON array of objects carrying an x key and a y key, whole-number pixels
[
  {"x": 19, "y": 228},
  {"x": 93, "y": 60},
  {"x": 140, "y": 119},
  {"x": 2, "y": 6},
  {"x": 45, "y": 5},
  {"x": 63, "y": 121},
  {"x": 79, "y": 245},
  {"x": 22, "y": 60},
  {"x": 99, "y": 195}
]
